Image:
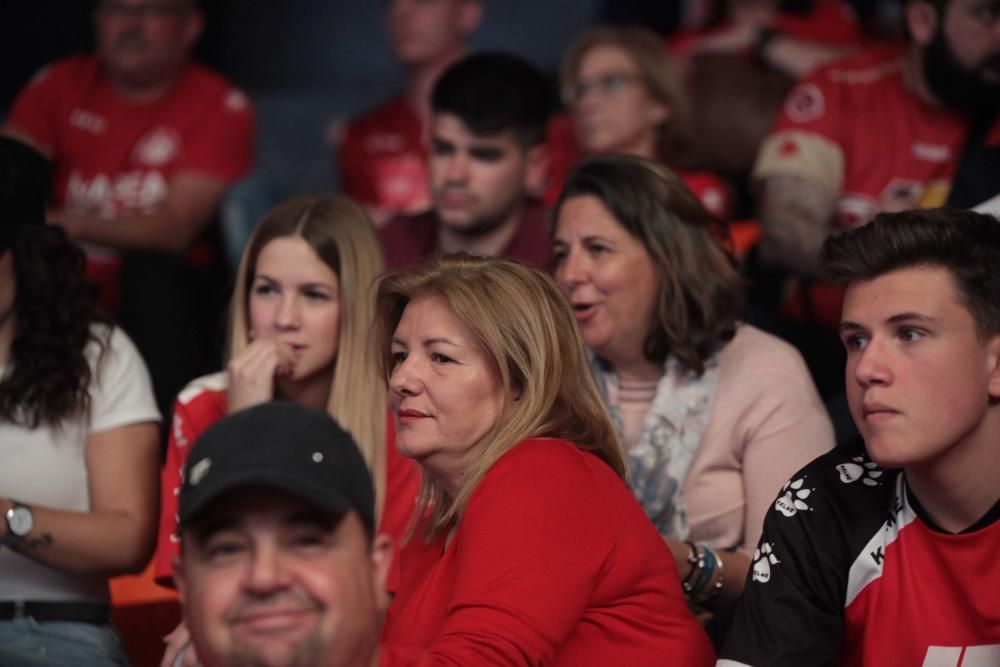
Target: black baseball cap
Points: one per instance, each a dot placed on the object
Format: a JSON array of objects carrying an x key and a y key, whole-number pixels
[{"x": 284, "y": 446}]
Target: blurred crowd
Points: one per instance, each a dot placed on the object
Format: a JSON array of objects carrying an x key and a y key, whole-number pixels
[{"x": 583, "y": 332}]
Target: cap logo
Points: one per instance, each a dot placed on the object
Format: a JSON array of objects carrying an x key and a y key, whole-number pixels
[{"x": 199, "y": 470}]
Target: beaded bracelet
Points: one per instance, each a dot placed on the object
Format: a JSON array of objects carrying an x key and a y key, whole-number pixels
[
  {"x": 703, "y": 562},
  {"x": 717, "y": 586}
]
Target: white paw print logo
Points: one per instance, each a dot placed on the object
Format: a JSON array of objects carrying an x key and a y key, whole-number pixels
[
  {"x": 866, "y": 471},
  {"x": 763, "y": 559},
  {"x": 794, "y": 498}
]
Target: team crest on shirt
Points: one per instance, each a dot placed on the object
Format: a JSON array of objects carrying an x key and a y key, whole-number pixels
[
  {"x": 763, "y": 559},
  {"x": 793, "y": 498},
  {"x": 805, "y": 103},
  {"x": 157, "y": 147},
  {"x": 860, "y": 469}
]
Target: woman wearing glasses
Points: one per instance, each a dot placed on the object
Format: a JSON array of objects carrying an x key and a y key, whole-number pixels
[{"x": 626, "y": 95}]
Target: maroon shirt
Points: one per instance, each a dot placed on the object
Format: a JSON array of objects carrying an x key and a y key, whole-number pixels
[{"x": 410, "y": 239}]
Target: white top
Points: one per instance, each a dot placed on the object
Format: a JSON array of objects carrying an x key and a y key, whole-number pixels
[{"x": 46, "y": 466}]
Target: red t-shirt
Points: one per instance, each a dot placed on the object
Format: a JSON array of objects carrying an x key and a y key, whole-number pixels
[
  {"x": 382, "y": 160},
  {"x": 113, "y": 157},
  {"x": 553, "y": 563},
  {"x": 855, "y": 127},
  {"x": 201, "y": 404}
]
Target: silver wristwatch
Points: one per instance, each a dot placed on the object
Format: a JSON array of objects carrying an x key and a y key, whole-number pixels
[{"x": 20, "y": 521}]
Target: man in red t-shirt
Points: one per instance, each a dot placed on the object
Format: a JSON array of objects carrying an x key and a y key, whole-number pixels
[
  {"x": 382, "y": 155},
  {"x": 144, "y": 143},
  {"x": 879, "y": 131},
  {"x": 488, "y": 156}
]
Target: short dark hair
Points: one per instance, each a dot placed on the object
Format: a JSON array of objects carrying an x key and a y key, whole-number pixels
[
  {"x": 494, "y": 92},
  {"x": 965, "y": 243},
  {"x": 700, "y": 298}
]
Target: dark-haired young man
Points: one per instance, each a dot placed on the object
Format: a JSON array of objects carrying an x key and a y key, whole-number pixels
[
  {"x": 488, "y": 157},
  {"x": 886, "y": 554}
]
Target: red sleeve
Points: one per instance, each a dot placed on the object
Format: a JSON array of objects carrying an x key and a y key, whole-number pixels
[
  {"x": 402, "y": 485},
  {"x": 401, "y": 488},
  {"x": 812, "y": 106},
  {"x": 36, "y": 110},
  {"x": 352, "y": 166},
  {"x": 223, "y": 145},
  {"x": 810, "y": 133},
  {"x": 190, "y": 420},
  {"x": 712, "y": 191},
  {"x": 832, "y": 22},
  {"x": 521, "y": 587}
]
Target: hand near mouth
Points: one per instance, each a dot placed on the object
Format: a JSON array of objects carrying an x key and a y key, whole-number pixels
[{"x": 252, "y": 372}]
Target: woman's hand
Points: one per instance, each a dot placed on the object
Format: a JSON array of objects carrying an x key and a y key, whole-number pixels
[
  {"x": 179, "y": 651},
  {"x": 735, "y": 565},
  {"x": 253, "y": 371}
]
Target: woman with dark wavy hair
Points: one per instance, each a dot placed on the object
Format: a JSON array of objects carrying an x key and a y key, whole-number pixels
[{"x": 78, "y": 446}]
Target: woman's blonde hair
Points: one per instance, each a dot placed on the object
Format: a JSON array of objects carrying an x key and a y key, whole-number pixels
[
  {"x": 343, "y": 237},
  {"x": 657, "y": 70},
  {"x": 523, "y": 323}
]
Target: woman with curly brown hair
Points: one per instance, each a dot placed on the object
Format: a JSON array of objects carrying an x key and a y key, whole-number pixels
[{"x": 78, "y": 445}]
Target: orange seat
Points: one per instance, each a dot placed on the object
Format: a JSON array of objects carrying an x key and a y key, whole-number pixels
[
  {"x": 143, "y": 612},
  {"x": 745, "y": 234}
]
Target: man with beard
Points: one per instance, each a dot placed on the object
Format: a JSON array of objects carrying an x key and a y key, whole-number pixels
[
  {"x": 487, "y": 165},
  {"x": 879, "y": 131},
  {"x": 279, "y": 564},
  {"x": 882, "y": 130},
  {"x": 144, "y": 143}
]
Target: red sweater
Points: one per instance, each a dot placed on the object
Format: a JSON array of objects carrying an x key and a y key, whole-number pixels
[{"x": 553, "y": 563}]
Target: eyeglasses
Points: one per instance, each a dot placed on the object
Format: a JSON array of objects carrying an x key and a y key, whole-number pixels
[
  {"x": 148, "y": 10},
  {"x": 608, "y": 84}
]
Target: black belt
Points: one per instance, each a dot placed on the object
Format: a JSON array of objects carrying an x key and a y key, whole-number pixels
[{"x": 70, "y": 612}]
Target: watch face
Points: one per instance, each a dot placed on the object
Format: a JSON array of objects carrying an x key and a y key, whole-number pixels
[{"x": 20, "y": 521}]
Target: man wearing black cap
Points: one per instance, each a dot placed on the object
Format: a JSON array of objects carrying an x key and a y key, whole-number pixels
[{"x": 279, "y": 564}]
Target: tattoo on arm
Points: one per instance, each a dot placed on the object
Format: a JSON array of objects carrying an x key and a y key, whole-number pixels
[
  {"x": 34, "y": 543},
  {"x": 796, "y": 215}
]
